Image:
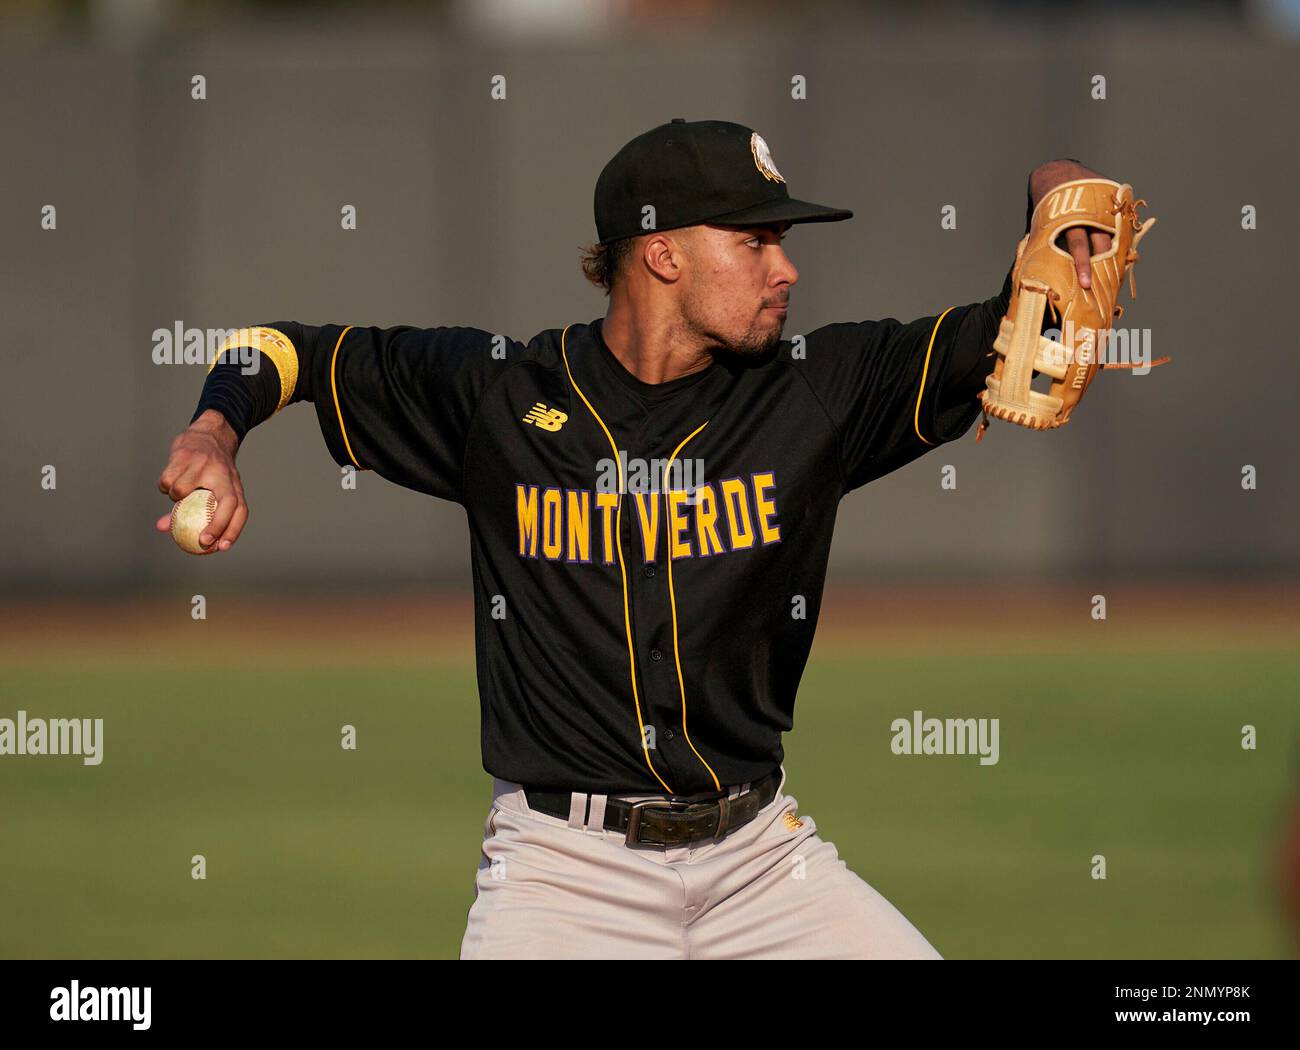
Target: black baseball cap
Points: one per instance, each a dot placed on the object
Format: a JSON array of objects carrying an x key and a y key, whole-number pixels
[{"x": 694, "y": 172}]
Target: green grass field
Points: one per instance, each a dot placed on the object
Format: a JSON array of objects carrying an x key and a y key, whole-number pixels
[{"x": 313, "y": 851}]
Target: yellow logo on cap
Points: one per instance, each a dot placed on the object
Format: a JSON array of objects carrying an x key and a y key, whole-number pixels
[{"x": 763, "y": 158}]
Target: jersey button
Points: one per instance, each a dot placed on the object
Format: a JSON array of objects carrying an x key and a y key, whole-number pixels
[
  {"x": 669, "y": 734},
  {"x": 649, "y": 570},
  {"x": 656, "y": 655}
]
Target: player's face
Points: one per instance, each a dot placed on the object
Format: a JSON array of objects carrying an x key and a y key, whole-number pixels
[{"x": 738, "y": 286}]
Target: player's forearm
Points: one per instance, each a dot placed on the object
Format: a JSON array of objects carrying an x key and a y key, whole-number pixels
[
  {"x": 280, "y": 357},
  {"x": 242, "y": 399}
]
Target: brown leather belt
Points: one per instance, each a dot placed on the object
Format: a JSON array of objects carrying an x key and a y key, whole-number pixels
[{"x": 667, "y": 821}]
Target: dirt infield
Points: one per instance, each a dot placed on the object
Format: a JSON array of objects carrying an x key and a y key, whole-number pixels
[
  {"x": 1174, "y": 615},
  {"x": 437, "y": 627}
]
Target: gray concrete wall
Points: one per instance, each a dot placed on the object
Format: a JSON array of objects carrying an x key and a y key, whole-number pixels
[{"x": 226, "y": 212}]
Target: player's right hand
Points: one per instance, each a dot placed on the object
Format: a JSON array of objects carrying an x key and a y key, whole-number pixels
[{"x": 203, "y": 457}]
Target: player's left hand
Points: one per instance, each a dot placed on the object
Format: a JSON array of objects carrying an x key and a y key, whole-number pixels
[{"x": 1082, "y": 243}]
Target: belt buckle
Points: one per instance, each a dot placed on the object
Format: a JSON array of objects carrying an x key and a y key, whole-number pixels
[{"x": 634, "y": 817}]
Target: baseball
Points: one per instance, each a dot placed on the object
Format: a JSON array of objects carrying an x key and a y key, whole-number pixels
[{"x": 190, "y": 517}]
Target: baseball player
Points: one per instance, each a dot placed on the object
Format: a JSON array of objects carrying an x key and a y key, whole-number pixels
[{"x": 651, "y": 498}]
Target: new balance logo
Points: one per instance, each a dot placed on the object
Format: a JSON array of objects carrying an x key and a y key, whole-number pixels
[{"x": 546, "y": 418}]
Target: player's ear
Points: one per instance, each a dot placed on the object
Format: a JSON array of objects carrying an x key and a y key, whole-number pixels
[{"x": 664, "y": 254}]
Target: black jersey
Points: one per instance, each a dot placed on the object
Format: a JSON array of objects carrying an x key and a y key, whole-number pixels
[{"x": 648, "y": 559}]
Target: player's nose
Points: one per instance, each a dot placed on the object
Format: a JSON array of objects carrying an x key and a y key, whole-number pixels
[{"x": 784, "y": 271}]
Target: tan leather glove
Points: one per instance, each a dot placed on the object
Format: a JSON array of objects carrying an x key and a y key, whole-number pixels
[{"x": 1044, "y": 278}]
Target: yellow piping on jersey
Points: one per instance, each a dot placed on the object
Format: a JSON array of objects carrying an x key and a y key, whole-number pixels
[
  {"x": 916, "y": 419},
  {"x": 622, "y": 571},
  {"x": 672, "y": 598},
  {"x": 337, "y": 407}
]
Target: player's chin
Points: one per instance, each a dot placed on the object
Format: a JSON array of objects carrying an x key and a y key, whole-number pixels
[{"x": 757, "y": 341}]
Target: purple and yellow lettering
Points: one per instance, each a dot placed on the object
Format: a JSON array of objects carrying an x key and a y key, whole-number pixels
[
  {"x": 706, "y": 518},
  {"x": 607, "y": 503},
  {"x": 526, "y": 511},
  {"x": 736, "y": 503},
  {"x": 766, "y": 507},
  {"x": 677, "y": 522},
  {"x": 579, "y": 516},
  {"x": 647, "y": 509},
  {"x": 552, "y": 534}
]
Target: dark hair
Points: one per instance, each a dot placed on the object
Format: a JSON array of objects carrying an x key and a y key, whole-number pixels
[{"x": 602, "y": 263}]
